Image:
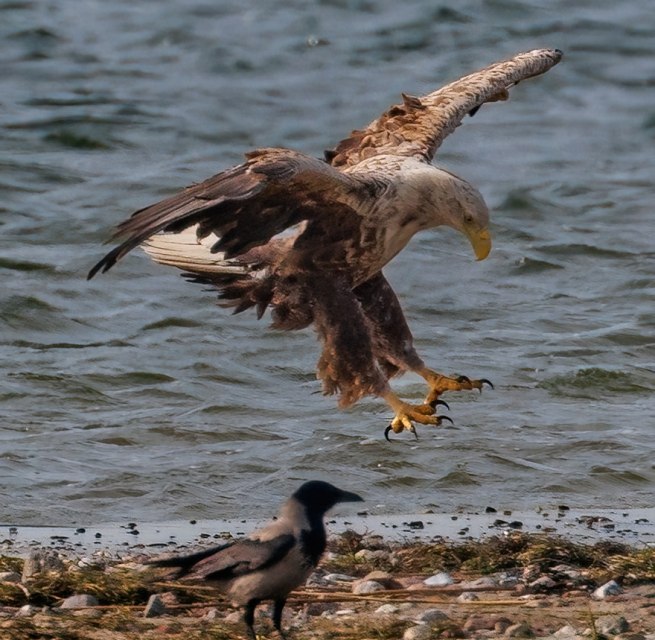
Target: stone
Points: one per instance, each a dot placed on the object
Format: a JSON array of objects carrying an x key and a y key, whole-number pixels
[
  {"x": 41, "y": 562},
  {"x": 10, "y": 576},
  {"x": 79, "y": 601},
  {"x": 480, "y": 583},
  {"x": 27, "y": 610},
  {"x": 544, "y": 583},
  {"x": 484, "y": 622},
  {"x": 419, "y": 632},
  {"x": 320, "y": 608},
  {"x": 566, "y": 632},
  {"x": 430, "y": 616},
  {"x": 155, "y": 607},
  {"x": 441, "y": 579},
  {"x": 362, "y": 587},
  {"x": 212, "y": 615},
  {"x": 518, "y": 630},
  {"x": 370, "y": 555},
  {"x": 338, "y": 577},
  {"x": 387, "y": 609},
  {"x": 611, "y": 625},
  {"x": 467, "y": 596},
  {"x": 384, "y": 578},
  {"x": 611, "y": 588}
]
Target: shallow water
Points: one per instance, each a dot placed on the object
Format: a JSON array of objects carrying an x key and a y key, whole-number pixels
[{"x": 133, "y": 396}]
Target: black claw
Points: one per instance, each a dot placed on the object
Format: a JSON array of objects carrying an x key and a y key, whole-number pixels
[
  {"x": 442, "y": 418},
  {"x": 386, "y": 433},
  {"x": 484, "y": 381},
  {"x": 413, "y": 430},
  {"x": 435, "y": 403},
  {"x": 463, "y": 379}
]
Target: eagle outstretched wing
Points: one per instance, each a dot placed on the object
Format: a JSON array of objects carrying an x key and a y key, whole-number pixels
[
  {"x": 247, "y": 205},
  {"x": 419, "y": 125}
]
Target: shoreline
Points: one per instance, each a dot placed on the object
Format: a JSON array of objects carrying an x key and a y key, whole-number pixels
[
  {"x": 565, "y": 575},
  {"x": 587, "y": 526}
]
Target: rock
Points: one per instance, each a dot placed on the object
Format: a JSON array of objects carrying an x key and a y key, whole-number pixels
[
  {"x": 40, "y": 562},
  {"x": 79, "y": 601},
  {"x": 320, "y": 608},
  {"x": 467, "y": 596},
  {"x": 611, "y": 625},
  {"x": 387, "y": 609},
  {"x": 362, "y": 587},
  {"x": 481, "y": 583},
  {"x": 338, "y": 577},
  {"x": 611, "y": 588},
  {"x": 430, "y": 616},
  {"x": 518, "y": 630},
  {"x": 441, "y": 579},
  {"x": 484, "y": 622},
  {"x": 566, "y": 633},
  {"x": 10, "y": 576},
  {"x": 384, "y": 578},
  {"x": 212, "y": 615},
  {"x": 370, "y": 555},
  {"x": 155, "y": 607},
  {"x": 234, "y": 617},
  {"x": 27, "y": 610},
  {"x": 544, "y": 583},
  {"x": 419, "y": 632}
]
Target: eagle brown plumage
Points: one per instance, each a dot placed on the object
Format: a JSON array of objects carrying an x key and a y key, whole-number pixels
[{"x": 308, "y": 238}]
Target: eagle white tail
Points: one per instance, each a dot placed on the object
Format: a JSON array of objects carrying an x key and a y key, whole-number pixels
[{"x": 185, "y": 251}]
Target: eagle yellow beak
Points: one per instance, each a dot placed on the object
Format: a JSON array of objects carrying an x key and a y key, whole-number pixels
[{"x": 480, "y": 240}]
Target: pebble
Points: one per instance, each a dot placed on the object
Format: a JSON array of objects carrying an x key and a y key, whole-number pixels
[
  {"x": 611, "y": 588},
  {"x": 566, "y": 632},
  {"x": 362, "y": 587},
  {"x": 212, "y": 615},
  {"x": 519, "y": 630},
  {"x": 39, "y": 562},
  {"x": 441, "y": 579},
  {"x": 611, "y": 625},
  {"x": 430, "y": 616},
  {"x": 544, "y": 583},
  {"x": 10, "y": 576},
  {"x": 485, "y": 622},
  {"x": 419, "y": 632},
  {"x": 79, "y": 601},
  {"x": 372, "y": 555},
  {"x": 480, "y": 583},
  {"x": 338, "y": 577},
  {"x": 155, "y": 607},
  {"x": 467, "y": 596},
  {"x": 27, "y": 610},
  {"x": 387, "y": 609}
]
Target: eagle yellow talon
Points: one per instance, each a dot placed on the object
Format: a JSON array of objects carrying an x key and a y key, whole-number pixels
[
  {"x": 439, "y": 384},
  {"x": 407, "y": 415}
]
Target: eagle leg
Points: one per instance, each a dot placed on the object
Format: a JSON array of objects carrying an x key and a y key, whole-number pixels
[
  {"x": 406, "y": 414},
  {"x": 439, "y": 383}
]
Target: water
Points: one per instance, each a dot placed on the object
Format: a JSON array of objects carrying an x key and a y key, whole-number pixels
[{"x": 133, "y": 396}]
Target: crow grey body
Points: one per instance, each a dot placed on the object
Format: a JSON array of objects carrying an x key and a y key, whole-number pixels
[{"x": 271, "y": 562}]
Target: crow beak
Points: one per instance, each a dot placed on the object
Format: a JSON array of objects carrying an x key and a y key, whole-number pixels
[{"x": 347, "y": 496}]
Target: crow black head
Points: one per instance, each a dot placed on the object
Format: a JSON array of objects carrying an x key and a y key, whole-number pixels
[{"x": 318, "y": 496}]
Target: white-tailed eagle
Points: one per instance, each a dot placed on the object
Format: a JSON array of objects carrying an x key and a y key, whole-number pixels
[{"x": 309, "y": 238}]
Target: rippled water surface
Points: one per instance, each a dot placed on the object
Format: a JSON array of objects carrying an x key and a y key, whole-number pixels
[{"x": 134, "y": 396}]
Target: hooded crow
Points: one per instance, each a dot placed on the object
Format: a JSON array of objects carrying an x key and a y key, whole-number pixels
[{"x": 271, "y": 562}]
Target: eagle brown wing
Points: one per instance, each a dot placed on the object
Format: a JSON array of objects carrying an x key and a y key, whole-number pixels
[
  {"x": 249, "y": 204},
  {"x": 419, "y": 125}
]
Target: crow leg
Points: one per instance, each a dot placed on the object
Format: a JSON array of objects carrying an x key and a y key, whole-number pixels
[
  {"x": 249, "y": 618},
  {"x": 278, "y": 606}
]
